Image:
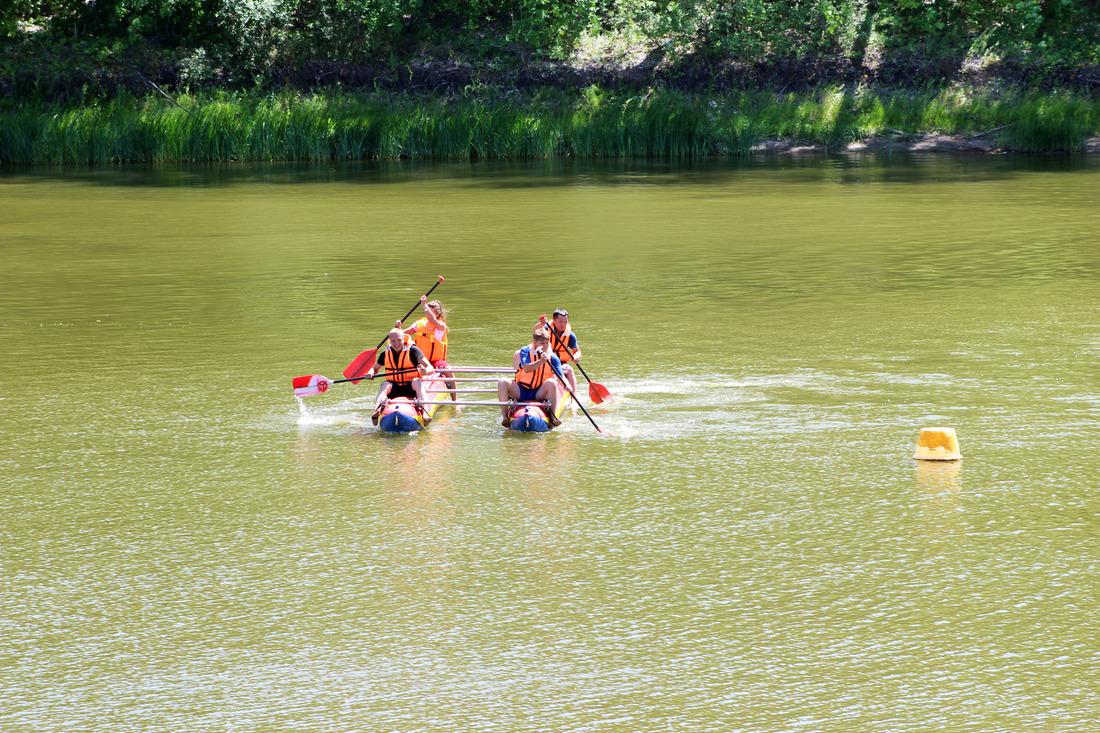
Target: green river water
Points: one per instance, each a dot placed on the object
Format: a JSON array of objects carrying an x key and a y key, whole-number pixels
[{"x": 750, "y": 547}]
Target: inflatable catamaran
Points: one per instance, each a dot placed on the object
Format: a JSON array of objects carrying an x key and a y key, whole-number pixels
[{"x": 401, "y": 416}]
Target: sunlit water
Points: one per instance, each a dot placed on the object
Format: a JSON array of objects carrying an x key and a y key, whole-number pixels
[{"x": 747, "y": 546}]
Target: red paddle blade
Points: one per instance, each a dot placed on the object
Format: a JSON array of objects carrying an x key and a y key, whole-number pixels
[
  {"x": 598, "y": 393},
  {"x": 360, "y": 365},
  {"x": 310, "y": 385}
]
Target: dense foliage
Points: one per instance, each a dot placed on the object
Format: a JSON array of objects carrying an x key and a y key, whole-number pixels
[{"x": 243, "y": 38}]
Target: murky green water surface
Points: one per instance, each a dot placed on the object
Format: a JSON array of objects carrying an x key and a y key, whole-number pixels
[{"x": 752, "y": 548}]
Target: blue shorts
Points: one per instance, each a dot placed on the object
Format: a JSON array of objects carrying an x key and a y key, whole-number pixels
[{"x": 526, "y": 394}]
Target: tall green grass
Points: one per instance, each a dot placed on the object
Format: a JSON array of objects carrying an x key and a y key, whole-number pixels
[{"x": 595, "y": 124}]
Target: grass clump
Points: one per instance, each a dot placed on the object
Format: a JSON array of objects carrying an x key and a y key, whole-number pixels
[{"x": 592, "y": 124}]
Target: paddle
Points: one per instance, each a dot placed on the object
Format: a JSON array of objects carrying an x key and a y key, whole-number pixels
[
  {"x": 311, "y": 384},
  {"x": 363, "y": 363},
  {"x": 565, "y": 385},
  {"x": 596, "y": 391},
  {"x": 314, "y": 384}
]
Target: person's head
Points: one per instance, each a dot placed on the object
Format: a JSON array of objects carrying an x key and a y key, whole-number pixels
[
  {"x": 540, "y": 337},
  {"x": 437, "y": 309},
  {"x": 561, "y": 319},
  {"x": 397, "y": 339}
]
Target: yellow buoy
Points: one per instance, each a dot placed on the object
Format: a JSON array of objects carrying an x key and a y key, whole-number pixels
[{"x": 937, "y": 444}]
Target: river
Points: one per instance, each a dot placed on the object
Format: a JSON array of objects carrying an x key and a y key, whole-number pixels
[{"x": 747, "y": 546}]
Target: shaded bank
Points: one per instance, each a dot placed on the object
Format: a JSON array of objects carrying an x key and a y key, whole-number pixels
[
  {"x": 593, "y": 123},
  {"x": 79, "y": 73},
  {"x": 77, "y": 50}
]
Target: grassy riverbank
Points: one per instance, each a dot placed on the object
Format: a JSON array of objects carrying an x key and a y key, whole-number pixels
[
  {"x": 550, "y": 123},
  {"x": 132, "y": 81}
]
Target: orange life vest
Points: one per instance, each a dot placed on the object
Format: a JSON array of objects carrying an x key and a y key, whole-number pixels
[
  {"x": 427, "y": 340},
  {"x": 560, "y": 342},
  {"x": 402, "y": 360},
  {"x": 534, "y": 378}
]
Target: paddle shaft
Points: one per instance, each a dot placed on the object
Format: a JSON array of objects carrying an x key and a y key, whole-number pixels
[
  {"x": 578, "y": 402},
  {"x": 565, "y": 386},
  {"x": 438, "y": 374},
  {"x": 557, "y": 338},
  {"x": 363, "y": 363},
  {"x": 356, "y": 379},
  {"x": 437, "y": 284},
  {"x": 596, "y": 390}
]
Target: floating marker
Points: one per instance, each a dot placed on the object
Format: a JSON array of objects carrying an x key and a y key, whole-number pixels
[{"x": 937, "y": 444}]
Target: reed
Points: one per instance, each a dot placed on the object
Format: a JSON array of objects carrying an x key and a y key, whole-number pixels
[
  {"x": 595, "y": 124},
  {"x": 1053, "y": 124}
]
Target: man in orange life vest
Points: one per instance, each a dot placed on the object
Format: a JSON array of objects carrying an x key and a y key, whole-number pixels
[
  {"x": 404, "y": 364},
  {"x": 564, "y": 343},
  {"x": 430, "y": 336},
  {"x": 535, "y": 366}
]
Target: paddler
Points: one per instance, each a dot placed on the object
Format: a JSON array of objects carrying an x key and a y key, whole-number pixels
[
  {"x": 564, "y": 343},
  {"x": 404, "y": 363},
  {"x": 535, "y": 365},
  {"x": 430, "y": 336}
]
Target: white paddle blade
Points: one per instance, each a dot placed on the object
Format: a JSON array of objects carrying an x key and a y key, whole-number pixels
[{"x": 311, "y": 385}]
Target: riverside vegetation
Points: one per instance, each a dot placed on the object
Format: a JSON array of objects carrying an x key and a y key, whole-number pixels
[{"x": 204, "y": 80}]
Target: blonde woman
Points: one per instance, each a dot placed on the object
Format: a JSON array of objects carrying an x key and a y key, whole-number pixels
[{"x": 430, "y": 335}]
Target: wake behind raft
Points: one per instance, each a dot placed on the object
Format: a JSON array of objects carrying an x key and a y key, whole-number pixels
[{"x": 401, "y": 416}]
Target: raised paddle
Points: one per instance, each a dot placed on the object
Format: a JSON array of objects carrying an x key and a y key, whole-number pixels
[
  {"x": 596, "y": 391},
  {"x": 363, "y": 363}
]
